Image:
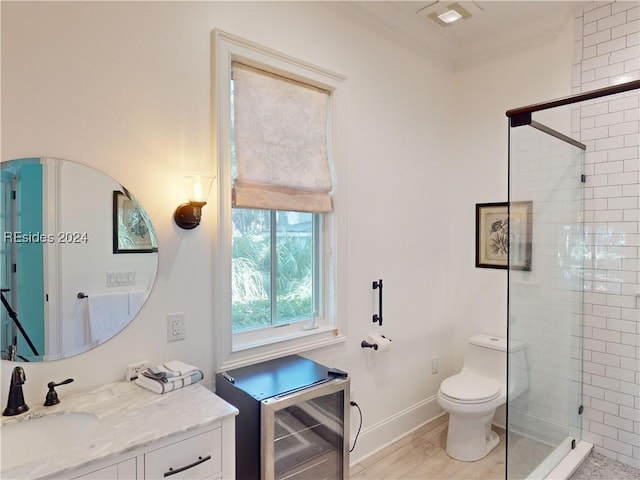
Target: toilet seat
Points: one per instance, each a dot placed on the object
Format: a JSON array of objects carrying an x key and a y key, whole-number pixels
[{"x": 469, "y": 388}]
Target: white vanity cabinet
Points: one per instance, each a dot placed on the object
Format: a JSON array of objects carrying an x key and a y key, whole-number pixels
[
  {"x": 195, "y": 456},
  {"x": 136, "y": 434}
]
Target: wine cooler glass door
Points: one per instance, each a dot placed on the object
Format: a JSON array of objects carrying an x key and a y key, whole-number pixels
[{"x": 303, "y": 434}]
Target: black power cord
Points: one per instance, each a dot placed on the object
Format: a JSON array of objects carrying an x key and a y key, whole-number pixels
[{"x": 354, "y": 404}]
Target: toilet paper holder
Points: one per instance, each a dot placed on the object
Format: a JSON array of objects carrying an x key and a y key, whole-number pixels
[
  {"x": 374, "y": 345},
  {"x": 365, "y": 344}
]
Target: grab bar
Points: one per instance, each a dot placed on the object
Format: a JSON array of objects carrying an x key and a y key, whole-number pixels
[{"x": 378, "y": 317}]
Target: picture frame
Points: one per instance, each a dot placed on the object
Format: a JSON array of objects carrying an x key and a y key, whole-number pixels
[
  {"x": 501, "y": 228},
  {"x": 132, "y": 231}
]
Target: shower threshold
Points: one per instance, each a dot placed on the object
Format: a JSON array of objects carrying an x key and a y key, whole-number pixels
[{"x": 565, "y": 463}]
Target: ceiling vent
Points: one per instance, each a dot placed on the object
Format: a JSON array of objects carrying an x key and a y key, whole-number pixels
[{"x": 446, "y": 13}]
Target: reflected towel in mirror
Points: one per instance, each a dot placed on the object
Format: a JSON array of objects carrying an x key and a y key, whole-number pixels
[
  {"x": 108, "y": 314},
  {"x": 136, "y": 300}
]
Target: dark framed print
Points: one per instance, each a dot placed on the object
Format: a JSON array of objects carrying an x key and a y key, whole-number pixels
[
  {"x": 132, "y": 231},
  {"x": 499, "y": 229}
]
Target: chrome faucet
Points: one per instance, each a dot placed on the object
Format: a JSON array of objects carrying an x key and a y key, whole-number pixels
[{"x": 16, "y": 404}]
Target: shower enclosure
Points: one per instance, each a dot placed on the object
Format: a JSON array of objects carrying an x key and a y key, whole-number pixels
[{"x": 576, "y": 242}]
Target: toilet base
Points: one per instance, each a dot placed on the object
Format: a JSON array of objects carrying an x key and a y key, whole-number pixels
[{"x": 470, "y": 439}]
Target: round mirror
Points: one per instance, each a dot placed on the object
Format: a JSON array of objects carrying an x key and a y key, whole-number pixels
[{"x": 78, "y": 258}]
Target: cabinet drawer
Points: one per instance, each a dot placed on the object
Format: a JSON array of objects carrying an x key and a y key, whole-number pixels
[{"x": 196, "y": 457}]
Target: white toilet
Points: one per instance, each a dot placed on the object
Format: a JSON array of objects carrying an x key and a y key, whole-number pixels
[{"x": 472, "y": 396}]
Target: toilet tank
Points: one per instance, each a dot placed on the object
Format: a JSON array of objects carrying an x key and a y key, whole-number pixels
[{"x": 487, "y": 355}]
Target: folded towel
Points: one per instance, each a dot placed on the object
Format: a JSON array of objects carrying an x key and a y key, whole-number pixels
[
  {"x": 175, "y": 368},
  {"x": 169, "y": 376},
  {"x": 159, "y": 386}
]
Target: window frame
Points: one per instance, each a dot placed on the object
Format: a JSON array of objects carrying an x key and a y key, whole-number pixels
[{"x": 333, "y": 326}]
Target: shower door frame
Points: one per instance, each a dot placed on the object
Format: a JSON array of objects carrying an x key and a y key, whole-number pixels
[{"x": 523, "y": 116}]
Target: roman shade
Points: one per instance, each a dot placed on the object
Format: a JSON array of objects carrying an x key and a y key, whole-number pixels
[{"x": 280, "y": 134}]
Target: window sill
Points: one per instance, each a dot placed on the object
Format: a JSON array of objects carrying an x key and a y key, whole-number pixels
[{"x": 255, "y": 352}]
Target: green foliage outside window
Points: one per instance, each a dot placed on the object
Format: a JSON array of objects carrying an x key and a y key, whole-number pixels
[{"x": 252, "y": 286}]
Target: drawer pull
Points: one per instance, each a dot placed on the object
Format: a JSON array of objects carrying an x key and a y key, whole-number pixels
[{"x": 187, "y": 467}]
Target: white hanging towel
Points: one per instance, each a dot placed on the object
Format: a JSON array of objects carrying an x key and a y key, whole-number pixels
[
  {"x": 136, "y": 299},
  {"x": 108, "y": 314}
]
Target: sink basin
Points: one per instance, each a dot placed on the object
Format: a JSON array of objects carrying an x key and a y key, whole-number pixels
[{"x": 34, "y": 438}]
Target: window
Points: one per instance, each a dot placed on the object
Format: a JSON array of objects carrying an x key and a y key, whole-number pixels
[
  {"x": 278, "y": 271},
  {"x": 275, "y": 268}
]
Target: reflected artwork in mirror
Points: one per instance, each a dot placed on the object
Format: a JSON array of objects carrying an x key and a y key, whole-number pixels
[{"x": 65, "y": 288}]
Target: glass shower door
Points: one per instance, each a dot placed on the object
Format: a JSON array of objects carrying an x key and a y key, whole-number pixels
[{"x": 544, "y": 299}]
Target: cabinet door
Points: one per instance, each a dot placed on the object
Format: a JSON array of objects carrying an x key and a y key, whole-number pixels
[
  {"x": 197, "y": 457},
  {"x": 121, "y": 471}
]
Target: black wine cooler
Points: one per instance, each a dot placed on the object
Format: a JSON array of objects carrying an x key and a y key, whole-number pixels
[{"x": 293, "y": 421}]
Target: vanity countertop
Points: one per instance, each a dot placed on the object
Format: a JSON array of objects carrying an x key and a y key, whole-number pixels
[{"x": 129, "y": 417}]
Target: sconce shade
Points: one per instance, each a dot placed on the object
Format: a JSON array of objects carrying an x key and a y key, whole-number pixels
[
  {"x": 188, "y": 215},
  {"x": 198, "y": 187}
]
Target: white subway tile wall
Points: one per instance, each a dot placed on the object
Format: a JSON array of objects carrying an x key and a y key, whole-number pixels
[{"x": 607, "y": 52}]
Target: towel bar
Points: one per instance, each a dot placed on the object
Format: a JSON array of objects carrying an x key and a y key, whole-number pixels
[{"x": 82, "y": 295}]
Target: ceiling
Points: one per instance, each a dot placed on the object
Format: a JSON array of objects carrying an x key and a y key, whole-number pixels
[{"x": 497, "y": 28}]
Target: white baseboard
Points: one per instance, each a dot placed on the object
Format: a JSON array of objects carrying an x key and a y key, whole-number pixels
[{"x": 378, "y": 436}]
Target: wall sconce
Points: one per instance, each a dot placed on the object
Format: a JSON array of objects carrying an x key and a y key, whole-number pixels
[{"x": 188, "y": 214}]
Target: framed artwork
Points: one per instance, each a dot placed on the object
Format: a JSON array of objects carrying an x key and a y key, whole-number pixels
[
  {"x": 498, "y": 231},
  {"x": 132, "y": 232}
]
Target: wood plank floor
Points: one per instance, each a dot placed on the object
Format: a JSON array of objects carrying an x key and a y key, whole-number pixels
[{"x": 421, "y": 455}]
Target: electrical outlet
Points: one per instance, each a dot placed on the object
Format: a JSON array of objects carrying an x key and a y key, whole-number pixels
[
  {"x": 135, "y": 369},
  {"x": 175, "y": 327},
  {"x": 434, "y": 365}
]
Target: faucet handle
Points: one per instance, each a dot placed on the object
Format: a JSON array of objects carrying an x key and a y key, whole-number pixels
[
  {"x": 12, "y": 350},
  {"x": 52, "y": 395}
]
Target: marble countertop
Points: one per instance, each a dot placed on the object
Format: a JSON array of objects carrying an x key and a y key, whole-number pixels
[{"x": 129, "y": 417}]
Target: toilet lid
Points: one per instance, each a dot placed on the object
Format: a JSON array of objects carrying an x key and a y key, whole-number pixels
[{"x": 470, "y": 388}]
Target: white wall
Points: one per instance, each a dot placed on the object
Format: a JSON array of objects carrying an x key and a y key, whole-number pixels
[
  {"x": 483, "y": 95},
  {"x": 480, "y": 152},
  {"x": 124, "y": 87}
]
